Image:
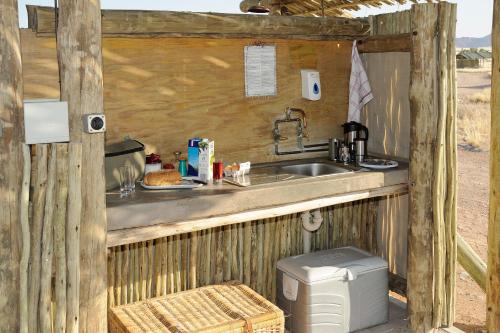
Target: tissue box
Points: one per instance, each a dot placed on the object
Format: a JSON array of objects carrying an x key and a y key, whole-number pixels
[
  {"x": 206, "y": 159},
  {"x": 193, "y": 160}
]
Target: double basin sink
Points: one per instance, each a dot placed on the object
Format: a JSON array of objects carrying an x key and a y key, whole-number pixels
[{"x": 289, "y": 170}]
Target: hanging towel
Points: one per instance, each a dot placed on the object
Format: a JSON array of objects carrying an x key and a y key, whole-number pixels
[{"x": 360, "y": 91}]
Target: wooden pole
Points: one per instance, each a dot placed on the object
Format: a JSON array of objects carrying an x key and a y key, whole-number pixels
[
  {"x": 193, "y": 260},
  {"x": 11, "y": 162},
  {"x": 451, "y": 169},
  {"x": 45, "y": 311},
  {"x": 431, "y": 238},
  {"x": 73, "y": 237},
  {"x": 60, "y": 236},
  {"x": 227, "y": 251},
  {"x": 39, "y": 191},
  {"x": 25, "y": 230},
  {"x": 471, "y": 262},
  {"x": 493, "y": 279},
  {"x": 422, "y": 139},
  {"x": 80, "y": 67}
]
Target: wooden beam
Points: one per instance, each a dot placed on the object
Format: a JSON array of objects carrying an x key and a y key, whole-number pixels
[
  {"x": 380, "y": 44},
  {"x": 137, "y": 23},
  {"x": 471, "y": 262},
  {"x": 11, "y": 164},
  {"x": 493, "y": 279},
  {"x": 134, "y": 235},
  {"x": 80, "y": 67}
]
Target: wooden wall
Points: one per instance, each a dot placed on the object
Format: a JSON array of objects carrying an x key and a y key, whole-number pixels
[
  {"x": 388, "y": 118},
  {"x": 246, "y": 252},
  {"x": 388, "y": 114},
  {"x": 163, "y": 91}
]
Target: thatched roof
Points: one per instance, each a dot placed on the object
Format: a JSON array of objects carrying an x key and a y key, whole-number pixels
[{"x": 324, "y": 7}]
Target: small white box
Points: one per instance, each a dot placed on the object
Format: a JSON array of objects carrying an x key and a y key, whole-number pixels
[
  {"x": 45, "y": 121},
  {"x": 311, "y": 87},
  {"x": 206, "y": 159},
  {"x": 333, "y": 291}
]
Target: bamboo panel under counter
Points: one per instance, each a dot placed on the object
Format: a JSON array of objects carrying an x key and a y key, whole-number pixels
[{"x": 247, "y": 252}]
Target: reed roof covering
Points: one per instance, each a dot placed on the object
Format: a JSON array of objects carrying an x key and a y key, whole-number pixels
[{"x": 332, "y": 7}]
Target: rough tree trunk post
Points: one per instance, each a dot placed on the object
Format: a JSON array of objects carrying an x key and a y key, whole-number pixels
[
  {"x": 423, "y": 127},
  {"x": 493, "y": 278},
  {"x": 432, "y": 172},
  {"x": 11, "y": 164},
  {"x": 80, "y": 67}
]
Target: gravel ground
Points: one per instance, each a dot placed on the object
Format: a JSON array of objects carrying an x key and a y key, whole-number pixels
[{"x": 472, "y": 224}]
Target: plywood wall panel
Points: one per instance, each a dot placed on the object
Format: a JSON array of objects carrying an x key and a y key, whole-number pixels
[
  {"x": 388, "y": 114},
  {"x": 40, "y": 69},
  {"x": 163, "y": 91}
]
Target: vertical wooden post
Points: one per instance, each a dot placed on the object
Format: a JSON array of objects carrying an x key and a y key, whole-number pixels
[
  {"x": 423, "y": 124},
  {"x": 11, "y": 162},
  {"x": 493, "y": 278},
  {"x": 432, "y": 172},
  {"x": 80, "y": 67}
]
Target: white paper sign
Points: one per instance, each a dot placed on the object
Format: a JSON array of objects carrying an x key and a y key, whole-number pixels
[{"x": 260, "y": 71}]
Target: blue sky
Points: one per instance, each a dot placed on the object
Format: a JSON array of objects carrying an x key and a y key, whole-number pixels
[{"x": 474, "y": 17}]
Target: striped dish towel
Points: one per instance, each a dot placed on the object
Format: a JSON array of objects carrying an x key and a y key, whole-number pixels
[{"x": 360, "y": 91}]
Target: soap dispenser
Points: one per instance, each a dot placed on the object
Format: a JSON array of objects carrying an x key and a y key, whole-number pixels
[{"x": 311, "y": 87}]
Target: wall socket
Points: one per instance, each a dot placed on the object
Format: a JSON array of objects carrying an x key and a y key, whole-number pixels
[{"x": 94, "y": 123}]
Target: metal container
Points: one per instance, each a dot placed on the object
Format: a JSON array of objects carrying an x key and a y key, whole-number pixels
[
  {"x": 333, "y": 149},
  {"x": 128, "y": 152},
  {"x": 354, "y": 130},
  {"x": 360, "y": 148}
]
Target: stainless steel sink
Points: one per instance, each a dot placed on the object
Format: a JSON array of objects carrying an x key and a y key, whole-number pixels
[
  {"x": 288, "y": 170},
  {"x": 313, "y": 169}
]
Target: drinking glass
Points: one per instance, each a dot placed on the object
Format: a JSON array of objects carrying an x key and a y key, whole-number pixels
[
  {"x": 218, "y": 171},
  {"x": 131, "y": 179},
  {"x": 183, "y": 167},
  {"x": 127, "y": 184}
]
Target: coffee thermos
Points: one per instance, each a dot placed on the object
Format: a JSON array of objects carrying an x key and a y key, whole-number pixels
[
  {"x": 353, "y": 148},
  {"x": 360, "y": 149},
  {"x": 334, "y": 149},
  {"x": 354, "y": 130}
]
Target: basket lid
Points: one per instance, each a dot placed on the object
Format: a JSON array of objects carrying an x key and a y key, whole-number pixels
[
  {"x": 222, "y": 308},
  {"x": 340, "y": 264}
]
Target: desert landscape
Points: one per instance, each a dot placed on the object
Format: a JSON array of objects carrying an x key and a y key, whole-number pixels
[{"x": 474, "y": 89}]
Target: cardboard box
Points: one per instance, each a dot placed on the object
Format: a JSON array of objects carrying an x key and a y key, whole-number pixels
[
  {"x": 193, "y": 159},
  {"x": 206, "y": 159}
]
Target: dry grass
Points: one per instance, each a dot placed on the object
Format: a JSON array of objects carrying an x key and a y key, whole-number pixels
[
  {"x": 483, "y": 96},
  {"x": 473, "y": 124}
]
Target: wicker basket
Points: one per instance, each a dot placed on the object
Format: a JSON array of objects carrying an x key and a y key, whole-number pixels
[{"x": 231, "y": 308}]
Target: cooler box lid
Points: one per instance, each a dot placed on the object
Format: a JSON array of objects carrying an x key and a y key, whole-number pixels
[{"x": 339, "y": 264}]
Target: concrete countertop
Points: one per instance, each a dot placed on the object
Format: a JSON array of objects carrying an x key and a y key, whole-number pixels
[{"x": 149, "y": 208}]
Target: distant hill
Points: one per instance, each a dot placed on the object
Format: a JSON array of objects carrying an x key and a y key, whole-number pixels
[{"x": 473, "y": 42}]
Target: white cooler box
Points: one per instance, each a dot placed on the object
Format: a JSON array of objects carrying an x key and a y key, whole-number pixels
[{"x": 338, "y": 290}]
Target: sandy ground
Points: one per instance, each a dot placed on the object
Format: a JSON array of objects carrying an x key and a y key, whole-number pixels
[{"x": 473, "y": 191}]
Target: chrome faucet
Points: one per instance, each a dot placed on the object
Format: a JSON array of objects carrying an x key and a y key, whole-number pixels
[
  {"x": 301, "y": 126},
  {"x": 288, "y": 113}
]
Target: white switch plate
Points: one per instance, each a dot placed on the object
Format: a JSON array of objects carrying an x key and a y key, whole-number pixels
[{"x": 45, "y": 121}]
